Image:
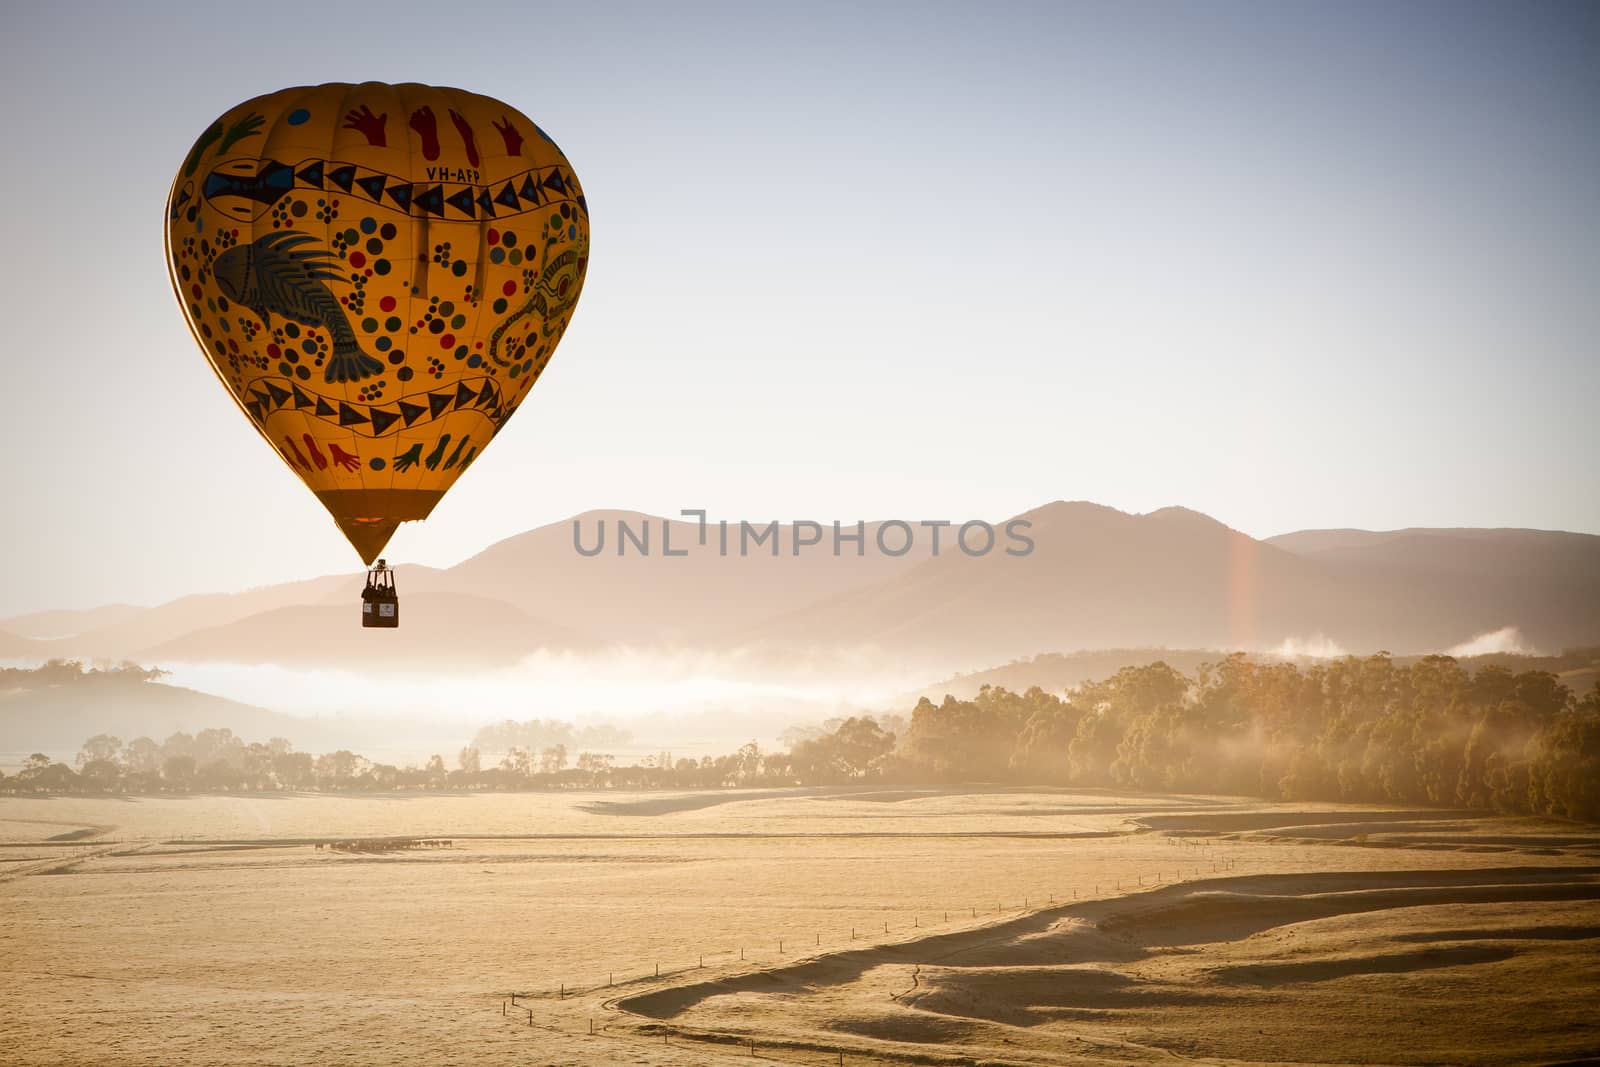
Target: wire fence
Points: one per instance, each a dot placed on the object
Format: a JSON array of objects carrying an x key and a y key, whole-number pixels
[{"x": 533, "y": 1008}]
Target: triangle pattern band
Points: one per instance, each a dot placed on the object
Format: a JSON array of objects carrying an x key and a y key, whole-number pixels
[
  {"x": 268, "y": 395},
  {"x": 273, "y": 180}
]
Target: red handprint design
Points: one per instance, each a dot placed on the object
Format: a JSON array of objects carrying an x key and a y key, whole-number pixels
[
  {"x": 466, "y": 136},
  {"x": 427, "y": 127},
  {"x": 298, "y": 458},
  {"x": 343, "y": 458},
  {"x": 365, "y": 122},
  {"x": 509, "y": 134},
  {"x": 316, "y": 456}
]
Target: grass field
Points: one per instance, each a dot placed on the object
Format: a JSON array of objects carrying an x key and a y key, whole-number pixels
[{"x": 885, "y": 926}]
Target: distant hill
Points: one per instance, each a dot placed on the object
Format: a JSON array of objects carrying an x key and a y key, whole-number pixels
[
  {"x": 656, "y": 599},
  {"x": 45, "y": 625},
  {"x": 1442, "y": 581},
  {"x": 437, "y": 630},
  {"x": 122, "y": 636},
  {"x": 1097, "y": 578},
  {"x": 57, "y": 719},
  {"x": 18, "y": 648},
  {"x": 1175, "y": 578},
  {"x": 1058, "y": 671},
  {"x": 1578, "y": 669}
]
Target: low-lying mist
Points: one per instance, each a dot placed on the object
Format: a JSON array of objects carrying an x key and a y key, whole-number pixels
[{"x": 708, "y": 696}]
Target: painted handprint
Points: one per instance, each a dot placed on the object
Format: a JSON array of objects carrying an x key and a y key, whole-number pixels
[
  {"x": 509, "y": 134},
  {"x": 409, "y": 458},
  {"x": 248, "y": 126},
  {"x": 224, "y": 140},
  {"x": 206, "y": 140},
  {"x": 298, "y": 458},
  {"x": 369, "y": 125},
  {"x": 316, "y": 455},
  {"x": 426, "y": 124},
  {"x": 466, "y": 136},
  {"x": 343, "y": 458},
  {"x": 455, "y": 457},
  {"x": 433, "y": 458}
]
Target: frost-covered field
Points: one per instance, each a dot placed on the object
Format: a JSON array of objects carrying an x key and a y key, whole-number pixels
[{"x": 215, "y": 930}]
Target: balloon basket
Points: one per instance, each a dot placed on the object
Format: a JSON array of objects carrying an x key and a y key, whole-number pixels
[{"x": 380, "y": 602}]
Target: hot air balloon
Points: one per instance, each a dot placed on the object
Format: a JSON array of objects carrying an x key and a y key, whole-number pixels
[{"x": 378, "y": 274}]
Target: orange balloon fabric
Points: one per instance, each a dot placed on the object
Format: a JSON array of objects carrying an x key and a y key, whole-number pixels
[{"x": 378, "y": 274}]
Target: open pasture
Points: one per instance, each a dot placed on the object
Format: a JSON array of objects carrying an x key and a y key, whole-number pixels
[{"x": 881, "y": 926}]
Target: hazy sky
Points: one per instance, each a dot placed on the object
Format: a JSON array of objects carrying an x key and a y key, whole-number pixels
[{"x": 1293, "y": 265}]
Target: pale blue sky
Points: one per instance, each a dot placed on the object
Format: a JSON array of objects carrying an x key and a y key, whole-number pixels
[{"x": 1293, "y": 265}]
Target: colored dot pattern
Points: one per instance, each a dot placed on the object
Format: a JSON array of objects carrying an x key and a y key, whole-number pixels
[{"x": 461, "y": 316}]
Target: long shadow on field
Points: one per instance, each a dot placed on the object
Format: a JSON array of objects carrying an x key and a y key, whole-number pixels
[{"x": 1131, "y": 928}]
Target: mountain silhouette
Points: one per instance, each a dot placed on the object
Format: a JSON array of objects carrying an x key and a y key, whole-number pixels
[{"x": 1097, "y": 578}]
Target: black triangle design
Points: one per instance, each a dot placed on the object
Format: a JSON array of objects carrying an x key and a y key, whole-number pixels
[
  {"x": 464, "y": 394},
  {"x": 410, "y": 412},
  {"x": 486, "y": 204},
  {"x": 311, "y": 174},
  {"x": 372, "y": 185},
  {"x": 486, "y": 394},
  {"x": 555, "y": 182},
  {"x": 529, "y": 190},
  {"x": 462, "y": 202},
  {"x": 324, "y": 408},
  {"x": 349, "y": 416},
  {"x": 344, "y": 177},
  {"x": 438, "y": 402},
  {"x": 262, "y": 399},
  {"x": 382, "y": 420},
  {"x": 300, "y": 399},
  {"x": 254, "y": 408},
  {"x": 278, "y": 394},
  {"x": 507, "y": 197},
  {"x": 430, "y": 200},
  {"x": 401, "y": 195}
]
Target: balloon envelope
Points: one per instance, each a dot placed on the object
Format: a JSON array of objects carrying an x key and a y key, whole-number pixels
[{"x": 378, "y": 274}]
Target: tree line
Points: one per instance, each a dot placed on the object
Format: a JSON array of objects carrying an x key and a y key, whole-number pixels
[{"x": 1361, "y": 729}]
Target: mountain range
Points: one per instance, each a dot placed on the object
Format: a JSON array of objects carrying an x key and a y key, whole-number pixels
[{"x": 1095, "y": 578}]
